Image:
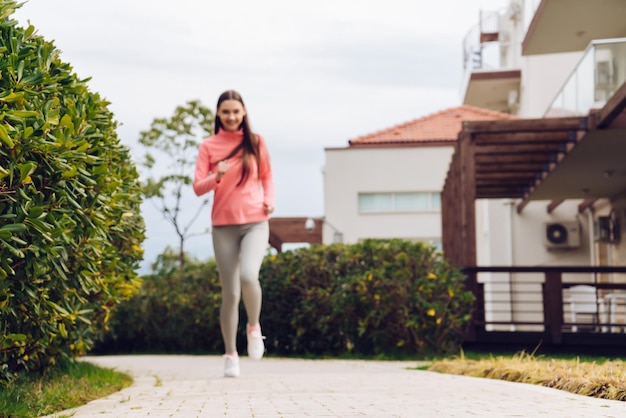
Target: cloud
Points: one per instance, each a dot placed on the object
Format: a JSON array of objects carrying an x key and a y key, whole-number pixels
[
  {"x": 384, "y": 62},
  {"x": 313, "y": 73}
]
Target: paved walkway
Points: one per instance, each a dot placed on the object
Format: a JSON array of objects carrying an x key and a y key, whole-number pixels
[{"x": 193, "y": 386}]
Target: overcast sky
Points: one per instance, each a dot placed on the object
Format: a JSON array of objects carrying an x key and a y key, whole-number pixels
[{"x": 313, "y": 74}]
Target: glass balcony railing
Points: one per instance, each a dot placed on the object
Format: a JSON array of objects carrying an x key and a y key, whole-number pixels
[{"x": 598, "y": 75}]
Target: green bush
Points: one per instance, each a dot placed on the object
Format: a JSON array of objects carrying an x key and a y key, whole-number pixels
[
  {"x": 70, "y": 222},
  {"x": 376, "y": 297},
  {"x": 174, "y": 312}
]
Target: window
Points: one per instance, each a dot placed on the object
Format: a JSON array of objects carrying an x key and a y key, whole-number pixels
[
  {"x": 375, "y": 202},
  {"x": 400, "y": 202},
  {"x": 434, "y": 242}
]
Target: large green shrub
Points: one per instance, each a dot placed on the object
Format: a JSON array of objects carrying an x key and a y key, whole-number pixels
[
  {"x": 175, "y": 311},
  {"x": 70, "y": 223},
  {"x": 374, "y": 297}
]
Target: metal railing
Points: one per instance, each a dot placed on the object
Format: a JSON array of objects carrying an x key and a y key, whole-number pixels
[
  {"x": 489, "y": 46},
  {"x": 479, "y": 54},
  {"x": 554, "y": 302}
]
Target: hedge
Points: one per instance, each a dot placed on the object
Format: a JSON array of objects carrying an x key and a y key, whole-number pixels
[
  {"x": 389, "y": 297},
  {"x": 70, "y": 223}
]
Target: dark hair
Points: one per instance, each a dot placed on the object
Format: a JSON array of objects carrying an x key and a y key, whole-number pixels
[{"x": 250, "y": 143}]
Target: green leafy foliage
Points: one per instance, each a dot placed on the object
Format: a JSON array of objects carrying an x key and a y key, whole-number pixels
[
  {"x": 175, "y": 311},
  {"x": 171, "y": 152},
  {"x": 70, "y": 223},
  {"x": 373, "y": 297},
  {"x": 389, "y": 297}
]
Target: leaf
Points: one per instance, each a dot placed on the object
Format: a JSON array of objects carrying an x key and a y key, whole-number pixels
[
  {"x": 12, "y": 97},
  {"x": 25, "y": 114},
  {"x": 29, "y": 31},
  {"x": 20, "y": 70},
  {"x": 66, "y": 122},
  {"x": 5, "y": 138},
  {"x": 70, "y": 173},
  {"x": 16, "y": 252},
  {"x": 17, "y": 337},
  {"x": 36, "y": 212},
  {"x": 28, "y": 131},
  {"x": 26, "y": 169},
  {"x": 62, "y": 330},
  {"x": 58, "y": 308},
  {"x": 13, "y": 228}
]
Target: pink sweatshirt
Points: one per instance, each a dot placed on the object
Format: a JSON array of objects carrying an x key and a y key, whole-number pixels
[{"x": 232, "y": 204}]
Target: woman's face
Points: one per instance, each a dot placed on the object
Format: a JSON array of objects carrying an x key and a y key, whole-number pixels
[{"x": 231, "y": 113}]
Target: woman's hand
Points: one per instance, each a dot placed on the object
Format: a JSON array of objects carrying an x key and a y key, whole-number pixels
[
  {"x": 268, "y": 209},
  {"x": 222, "y": 168}
]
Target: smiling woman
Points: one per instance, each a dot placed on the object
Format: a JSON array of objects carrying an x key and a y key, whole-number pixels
[{"x": 234, "y": 164}]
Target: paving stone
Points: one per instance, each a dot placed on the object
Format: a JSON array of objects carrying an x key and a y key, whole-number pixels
[{"x": 193, "y": 386}]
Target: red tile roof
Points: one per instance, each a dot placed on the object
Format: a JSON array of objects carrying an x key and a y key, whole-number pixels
[{"x": 442, "y": 126}]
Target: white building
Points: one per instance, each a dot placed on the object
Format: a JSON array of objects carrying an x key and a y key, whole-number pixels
[
  {"x": 548, "y": 189},
  {"x": 545, "y": 189},
  {"x": 540, "y": 59},
  {"x": 388, "y": 184}
]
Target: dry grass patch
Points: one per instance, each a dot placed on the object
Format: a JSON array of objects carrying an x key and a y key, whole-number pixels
[{"x": 606, "y": 380}]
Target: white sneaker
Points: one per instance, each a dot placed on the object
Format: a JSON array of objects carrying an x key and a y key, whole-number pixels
[
  {"x": 231, "y": 365},
  {"x": 256, "y": 347}
]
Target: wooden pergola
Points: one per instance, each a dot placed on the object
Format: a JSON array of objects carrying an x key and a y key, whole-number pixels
[
  {"x": 516, "y": 158},
  {"x": 294, "y": 230}
]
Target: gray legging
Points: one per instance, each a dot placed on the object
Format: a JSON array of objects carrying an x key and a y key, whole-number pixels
[{"x": 239, "y": 252}]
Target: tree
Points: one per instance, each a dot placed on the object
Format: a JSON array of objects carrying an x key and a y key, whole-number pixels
[
  {"x": 70, "y": 223},
  {"x": 177, "y": 140}
]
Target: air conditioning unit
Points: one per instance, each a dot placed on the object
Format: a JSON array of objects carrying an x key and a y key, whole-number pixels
[{"x": 561, "y": 235}]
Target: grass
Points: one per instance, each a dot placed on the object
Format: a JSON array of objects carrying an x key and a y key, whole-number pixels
[
  {"x": 67, "y": 385},
  {"x": 597, "y": 377}
]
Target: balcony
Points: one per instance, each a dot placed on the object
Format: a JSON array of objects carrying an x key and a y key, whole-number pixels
[
  {"x": 568, "y": 26},
  {"x": 531, "y": 306},
  {"x": 492, "y": 77},
  {"x": 596, "y": 78}
]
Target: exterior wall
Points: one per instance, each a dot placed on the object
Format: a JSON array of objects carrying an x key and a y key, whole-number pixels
[
  {"x": 506, "y": 238},
  {"x": 542, "y": 78},
  {"x": 349, "y": 171}
]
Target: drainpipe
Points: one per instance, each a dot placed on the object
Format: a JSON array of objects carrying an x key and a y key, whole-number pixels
[
  {"x": 509, "y": 236},
  {"x": 592, "y": 246},
  {"x": 594, "y": 262}
]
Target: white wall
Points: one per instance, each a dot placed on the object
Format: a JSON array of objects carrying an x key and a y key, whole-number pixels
[
  {"x": 513, "y": 297},
  {"x": 542, "y": 78},
  {"x": 497, "y": 219},
  {"x": 349, "y": 171}
]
